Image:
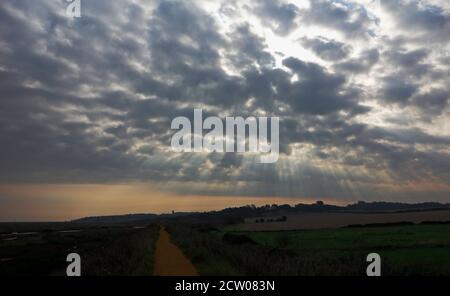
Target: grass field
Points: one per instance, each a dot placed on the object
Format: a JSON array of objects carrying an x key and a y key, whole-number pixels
[
  {"x": 415, "y": 249},
  {"x": 41, "y": 249},
  {"x": 405, "y": 250}
]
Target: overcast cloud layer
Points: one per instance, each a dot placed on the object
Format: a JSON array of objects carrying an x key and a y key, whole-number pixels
[{"x": 362, "y": 91}]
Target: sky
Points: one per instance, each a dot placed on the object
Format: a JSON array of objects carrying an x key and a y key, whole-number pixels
[{"x": 361, "y": 88}]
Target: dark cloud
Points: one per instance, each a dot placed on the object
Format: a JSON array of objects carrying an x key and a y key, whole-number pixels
[
  {"x": 345, "y": 16},
  {"x": 408, "y": 58},
  {"x": 410, "y": 62},
  {"x": 431, "y": 22},
  {"x": 249, "y": 50},
  {"x": 317, "y": 91},
  {"x": 395, "y": 90},
  {"x": 361, "y": 64},
  {"x": 433, "y": 102},
  {"x": 280, "y": 17},
  {"x": 327, "y": 49}
]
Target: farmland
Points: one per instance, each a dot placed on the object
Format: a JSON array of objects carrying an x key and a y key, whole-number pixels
[
  {"x": 304, "y": 244},
  {"x": 405, "y": 250},
  {"x": 337, "y": 220}
]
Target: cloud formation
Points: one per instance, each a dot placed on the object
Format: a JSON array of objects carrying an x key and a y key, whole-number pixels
[{"x": 362, "y": 99}]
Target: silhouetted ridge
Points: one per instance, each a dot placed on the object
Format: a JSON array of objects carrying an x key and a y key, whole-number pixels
[{"x": 236, "y": 214}]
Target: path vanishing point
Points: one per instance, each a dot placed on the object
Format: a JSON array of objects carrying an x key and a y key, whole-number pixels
[{"x": 169, "y": 259}]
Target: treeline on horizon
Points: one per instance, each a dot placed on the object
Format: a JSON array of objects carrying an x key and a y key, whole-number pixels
[{"x": 248, "y": 211}]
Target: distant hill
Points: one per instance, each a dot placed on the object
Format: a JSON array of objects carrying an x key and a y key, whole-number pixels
[
  {"x": 117, "y": 218},
  {"x": 231, "y": 215},
  {"x": 395, "y": 206},
  {"x": 127, "y": 218}
]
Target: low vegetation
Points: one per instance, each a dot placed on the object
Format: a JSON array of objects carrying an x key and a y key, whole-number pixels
[
  {"x": 128, "y": 249},
  {"x": 405, "y": 250},
  {"x": 104, "y": 250},
  {"x": 216, "y": 253}
]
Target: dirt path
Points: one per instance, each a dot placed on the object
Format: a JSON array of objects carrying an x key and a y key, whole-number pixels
[{"x": 169, "y": 259}]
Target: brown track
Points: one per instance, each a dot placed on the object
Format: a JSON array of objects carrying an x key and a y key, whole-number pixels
[{"x": 169, "y": 259}]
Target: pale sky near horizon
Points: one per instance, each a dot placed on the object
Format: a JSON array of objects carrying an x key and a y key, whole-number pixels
[
  {"x": 361, "y": 88},
  {"x": 63, "y": 202}
]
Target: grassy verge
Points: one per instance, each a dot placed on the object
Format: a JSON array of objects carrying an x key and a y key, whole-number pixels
[{"x": 129, "y": 254}]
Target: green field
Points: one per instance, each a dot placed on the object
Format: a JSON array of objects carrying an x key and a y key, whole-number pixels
[
  {"x": 404, "y": 250},
  {"x": 416, "y": 249}
]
